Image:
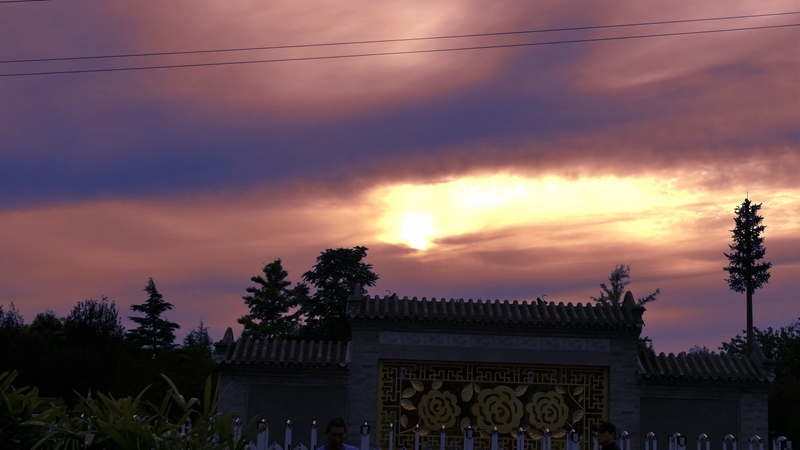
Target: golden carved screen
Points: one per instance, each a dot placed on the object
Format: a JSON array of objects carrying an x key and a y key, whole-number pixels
[{"x": 483, "y": 396}]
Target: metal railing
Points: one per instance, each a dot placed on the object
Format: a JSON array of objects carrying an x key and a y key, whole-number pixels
[{"x": 677, "y": 441}]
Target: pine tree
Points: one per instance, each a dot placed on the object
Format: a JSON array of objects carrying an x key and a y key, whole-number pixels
[
  {"x": 198, "y": 339},
  {"x": 616, "y": 292},
  {"x": 271, "y": 302},
  {"x": 746, "y": 272},
  {"x": 335, "y": 275},
  {"x": 154, "y": 332}
]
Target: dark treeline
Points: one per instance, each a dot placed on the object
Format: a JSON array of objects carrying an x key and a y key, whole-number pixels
[{"x": 89, "y": 351}]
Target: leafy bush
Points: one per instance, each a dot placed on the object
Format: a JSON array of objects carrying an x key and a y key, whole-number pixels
[
  {"x": 17, "y": 407},
  {"x": 131, "y": 423}
]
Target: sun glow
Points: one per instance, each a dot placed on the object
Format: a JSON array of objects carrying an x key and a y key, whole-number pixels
[
  {"x": 634, "y": 208},
  {"x": 416, "y": 228}
]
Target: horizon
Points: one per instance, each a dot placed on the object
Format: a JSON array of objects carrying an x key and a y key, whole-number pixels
[{"x": 512, "y": 172}]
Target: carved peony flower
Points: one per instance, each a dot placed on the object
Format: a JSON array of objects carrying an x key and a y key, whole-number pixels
[
  {"x": 498, "y": 407},
  {"x": 547, "y": 410},
  {"x": 439, "y": 408}
]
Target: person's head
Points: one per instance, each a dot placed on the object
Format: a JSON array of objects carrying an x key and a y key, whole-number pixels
[
  {"x": 336, "y": 430},
  {"x": 606, "y": 433}
]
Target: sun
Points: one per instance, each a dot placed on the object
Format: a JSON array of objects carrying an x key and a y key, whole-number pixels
[{"x": 416, "y": 228}]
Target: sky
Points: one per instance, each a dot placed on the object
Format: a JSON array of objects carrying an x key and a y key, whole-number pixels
[{"x": 513, "y": 172}]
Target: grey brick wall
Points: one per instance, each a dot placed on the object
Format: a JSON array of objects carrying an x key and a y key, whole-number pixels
[
  {"x": 753, "y": 416},
  {"x": 623, "y": 392},
  {"x": 233, "y": 395}
]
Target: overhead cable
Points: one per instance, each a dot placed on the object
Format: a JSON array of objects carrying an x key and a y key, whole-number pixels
[
  {"x": 394, "y": 53},
  {"x": 387, "y": 41}
]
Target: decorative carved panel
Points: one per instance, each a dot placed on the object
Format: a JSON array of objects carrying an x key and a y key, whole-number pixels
[{"x": 483, "y": 396}]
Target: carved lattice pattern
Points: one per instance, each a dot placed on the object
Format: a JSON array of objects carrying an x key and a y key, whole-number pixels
[{"x": 432, "y": 394}]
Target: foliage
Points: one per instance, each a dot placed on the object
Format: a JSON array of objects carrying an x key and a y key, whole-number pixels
[
  {"x": 746, "y": 272},
  {"x": 132, "y": 423},
  {"x": 783, "y": 346},
  {"x": 199, "y": 340},
  {"x": 616, "y": 292},
  {"x": 335, "y": 276},
  {"x": 11, "y": 319},
  {"x": 138, "y": 369},
  {"x": 46, "y": 322},
  {"x": 17, "y": 406},
  {"x": 92, "y": 320},
  {"x": 154, "y": 332},
  {"x": 271, "y": 303},
  {"x": 699, "y": 349},
  {"x": 645, "y": 346}
]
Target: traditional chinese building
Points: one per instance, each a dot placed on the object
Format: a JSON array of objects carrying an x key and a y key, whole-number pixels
[{"x": 484, "y": 364}]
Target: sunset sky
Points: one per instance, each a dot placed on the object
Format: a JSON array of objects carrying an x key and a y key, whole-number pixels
[{"x": 503, "y": 173}]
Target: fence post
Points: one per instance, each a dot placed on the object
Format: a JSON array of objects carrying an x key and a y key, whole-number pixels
[
  {"x": 779, "y": 443},
  {"x": 732, "y": 440},
  {"x": 703, "y": 438},
  {"x": 520, "y": 438},
  {"x": 313, "y": 445},
  {"x": 757, "y": 438},
  {"x": 625, "y": 440},
  {"x": 365, "y": 436},
  {"x": 469, "y": 438},
  {"x": 263, "y": 438},
  {"x": 677, "y": 441},
  {"x": 391, "y": 436},
  {"x": 573, "y": 440},
  {"x": 650, "y": 437},
  {"x": 494, "y": 438},
  {"x": 287, "y": 436},
  {"x": 546, "y": 443},
  {"x": 416, "y": 437}
]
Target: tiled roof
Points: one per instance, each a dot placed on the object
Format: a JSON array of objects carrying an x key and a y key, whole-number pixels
[
  {"x": 534, "y": 314},
  {"x": 707, "y": 366},
  {"x": 280, "y": 353}
]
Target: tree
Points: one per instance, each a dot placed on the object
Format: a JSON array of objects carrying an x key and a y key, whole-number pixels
[
  {"x": 746, "y": 272},
  {"x": 92, "y": 321},
  {"x": 783, "y": 347},
  {"x": 154, "y": 332},
  {"x": 271, "y": 302},
  {"x": 198, "y": 339},
  {"x": 616, "y": 292},
  {"x": 11, "y": 319},
  {"x": 334, "y": 277}
]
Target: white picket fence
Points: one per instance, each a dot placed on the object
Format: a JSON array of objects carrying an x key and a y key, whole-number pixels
[{"x": 676, "y": 441}]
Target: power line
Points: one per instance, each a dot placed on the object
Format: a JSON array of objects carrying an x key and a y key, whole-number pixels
[
  {"x": 385, "y": 41},
  {"x": 408, "y": 52},
  {"x": 23, "y": 1}
]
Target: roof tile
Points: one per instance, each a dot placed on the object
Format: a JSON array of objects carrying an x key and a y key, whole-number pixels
[
  {"x": 702, "y": 365},
  {"x": 536, "y": 313}
]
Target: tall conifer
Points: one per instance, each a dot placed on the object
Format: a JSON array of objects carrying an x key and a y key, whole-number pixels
[
  {"x": 271, "y": 302},
  {"x": 154, "y": 332},
  {"x": 747, "y": 271}
]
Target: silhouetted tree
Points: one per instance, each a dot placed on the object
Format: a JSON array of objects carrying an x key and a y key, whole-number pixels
[
  {"x": 94, "y": 340},
  {"x": 746, "y": 272},
  {"x": 271, "y": 302},
  {"x": 154, "y": 332},
  {"x": 92, "y": 321},
  {"x": 198, "y": 339},
  {"x": 334, "y": 277},
  {"x": 616, "y": 292},
  {"x": 11, "y": 319},
  {"x": 782, "y": 346}
]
